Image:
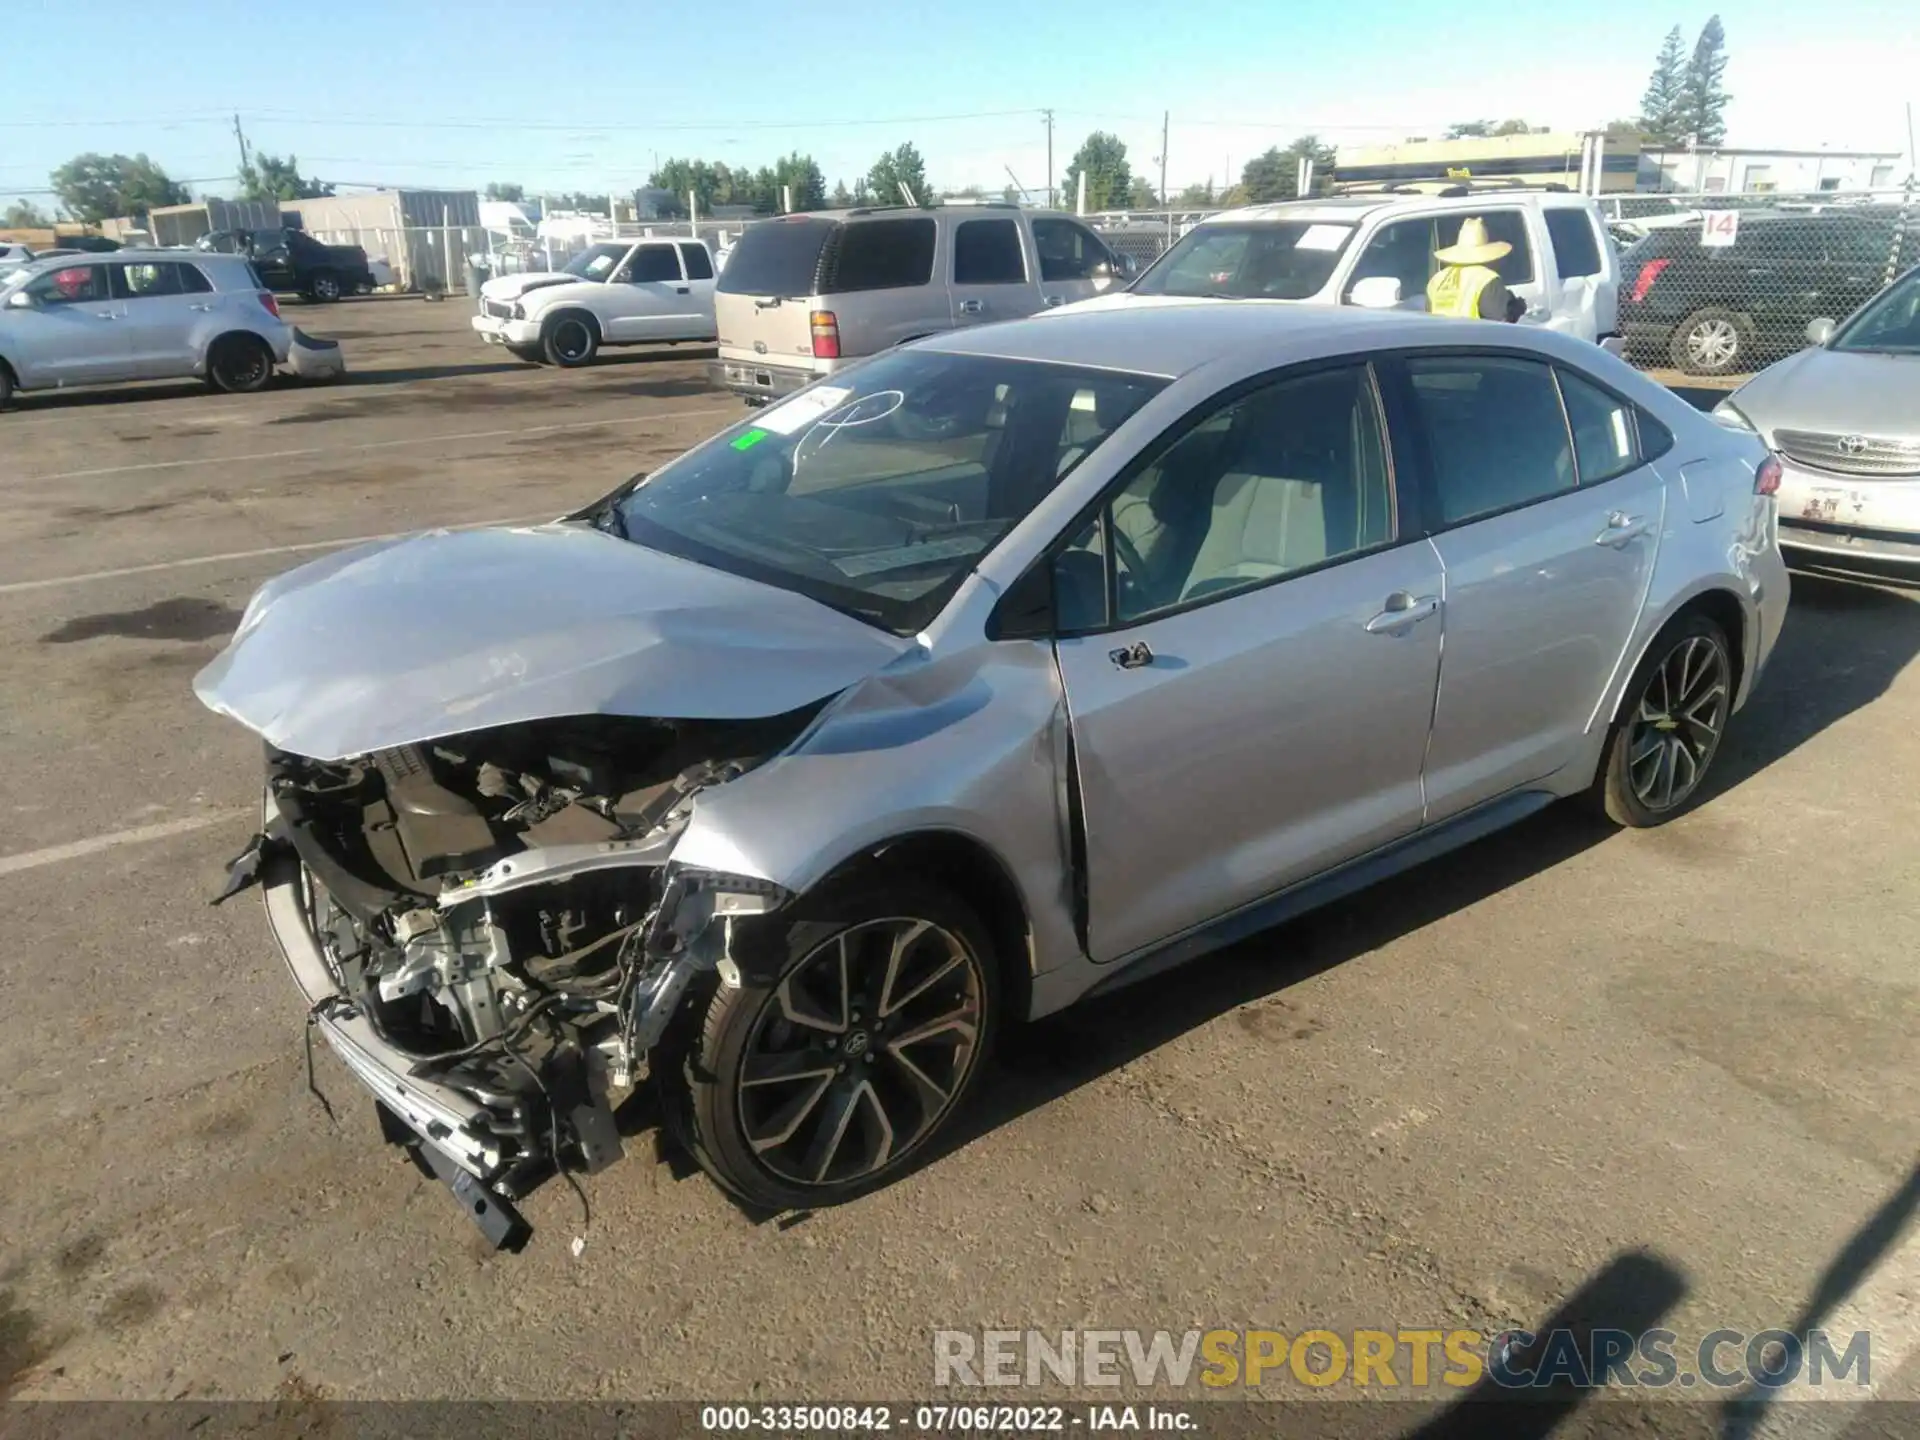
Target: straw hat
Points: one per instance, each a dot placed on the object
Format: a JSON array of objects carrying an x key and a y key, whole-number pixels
[{"x": 1473, "y": 247}]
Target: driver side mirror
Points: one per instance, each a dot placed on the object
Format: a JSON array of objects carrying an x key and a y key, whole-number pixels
[
  {"x": 1820, "y": 331},
  {"x": 1376, "y": 292},
  {"x": 1125, "y": 266},
  {"x": 21, "y": 300}
]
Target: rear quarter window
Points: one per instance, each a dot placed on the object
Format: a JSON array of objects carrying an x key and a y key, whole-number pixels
[
  {"x": 878, "y": 255},
  {"x": 778, "y": 257}
]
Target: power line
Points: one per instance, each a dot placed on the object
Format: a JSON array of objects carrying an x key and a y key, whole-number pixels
[{"x": 293, "y": 117}]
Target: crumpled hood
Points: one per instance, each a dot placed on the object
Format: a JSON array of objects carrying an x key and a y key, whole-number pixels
[
  {"x": 448, "y": 631},
  {"x": 512, "y": 287},
  {"x": 1833, "y": 391}
]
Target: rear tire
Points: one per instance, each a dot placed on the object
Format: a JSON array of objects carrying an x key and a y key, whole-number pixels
[
  {"x": 1670, "y": 726},
  {"x": 1712, "y": 341},
  {"x": 862, "y": 1022},
  {"x": 239, "y": 364},
  {"x": 6, "y": 386},
  {"x": 570, "y": 339}
]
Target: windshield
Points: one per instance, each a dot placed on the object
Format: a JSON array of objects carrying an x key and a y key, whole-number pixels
[
  {"x": 596, "y": 262},
  {"x": 1888, "y": 324},
  {"x": 878, "y": 493},
  {"x": 1270, "y": 260}
]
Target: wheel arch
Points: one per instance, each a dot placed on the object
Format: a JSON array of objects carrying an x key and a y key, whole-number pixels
[
  {"x": 573, "y": 309},
  {"x": 978, "y": 877},
  {"x": 1716, "y": 600},
  {"x": 12, "y": 374}
]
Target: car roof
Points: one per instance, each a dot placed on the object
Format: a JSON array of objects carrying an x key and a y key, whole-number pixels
[
  {"x": 1171, "y": 338},
  {"x": 147, "y": 255},
  {"x": 1353, "y": 208}
]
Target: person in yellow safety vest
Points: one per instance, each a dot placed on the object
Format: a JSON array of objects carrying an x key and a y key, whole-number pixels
[{"x": 1464, "y": 288}]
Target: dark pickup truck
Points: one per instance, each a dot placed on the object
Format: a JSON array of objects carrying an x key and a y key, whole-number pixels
[{"x": 294, "y": 262}]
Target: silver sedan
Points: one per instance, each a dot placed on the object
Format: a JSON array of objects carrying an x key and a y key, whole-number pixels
[
  {"x": 1844, "y": 416},
  {"x": 1001, "y": 670}
]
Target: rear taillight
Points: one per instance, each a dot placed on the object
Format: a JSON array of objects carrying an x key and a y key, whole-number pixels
[
  {"x": 826, "y": 335},
  {"x": 273, "y": 305},
  {"x": 1766, "y": 479},
  {"x": 1643, "y": 282}
]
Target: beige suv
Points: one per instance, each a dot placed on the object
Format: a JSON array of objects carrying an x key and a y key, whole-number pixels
[{"x": 803, "y": 295}]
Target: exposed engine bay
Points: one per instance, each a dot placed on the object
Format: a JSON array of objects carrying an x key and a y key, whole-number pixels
[{"x": 500, "y": 909}]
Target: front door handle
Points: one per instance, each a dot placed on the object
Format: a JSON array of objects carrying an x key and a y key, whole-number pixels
[
  {"x": 1132, "y": 657},
  {"x": 105, "y": 315},
  {"x": 199, "y": 307},
  {"x": 682, "y": 290},
  {"x": 1621, "y": 528},
  {"x": 1403, "y": 612},
  {"x": 1050, "y": 301},
  {"x": 971, "y": 307}
]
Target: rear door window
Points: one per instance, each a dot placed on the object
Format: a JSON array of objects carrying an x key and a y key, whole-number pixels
[
  {"x": 987, "y": 252},
  {"x": 698, "y": 262},
  {"x": 1576, "y": 252},
  {"x": 1604, "y": 439},
  {"x": 877, "y": 255},
  {"x": 1495, "y": 431},
  {"x": 147, "y": 282}
]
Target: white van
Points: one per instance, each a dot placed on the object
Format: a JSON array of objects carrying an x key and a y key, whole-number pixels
[{"x": 1562, "y": 264}]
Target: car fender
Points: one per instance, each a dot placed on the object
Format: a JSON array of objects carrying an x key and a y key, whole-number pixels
[
  {"x": 1736, "y": 581},
  {"x": 543, "y": 300},
  {"x": 975, "y": 744}
]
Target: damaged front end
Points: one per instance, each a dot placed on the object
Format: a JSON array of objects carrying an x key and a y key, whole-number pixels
[{"x": 489, "y": 929}]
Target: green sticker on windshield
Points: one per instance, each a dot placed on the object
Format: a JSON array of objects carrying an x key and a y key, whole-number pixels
[{"x": 749, "y": 440}]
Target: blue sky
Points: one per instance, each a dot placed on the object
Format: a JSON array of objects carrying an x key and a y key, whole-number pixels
[{"x": 431, "y": 92}]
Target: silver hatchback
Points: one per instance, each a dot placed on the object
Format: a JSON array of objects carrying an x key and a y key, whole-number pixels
[
  {"x": 995, "y": 672},
  {"x": 139, "y": 315}
]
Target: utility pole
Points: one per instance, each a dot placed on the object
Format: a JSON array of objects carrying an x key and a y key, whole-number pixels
[
  {"x": 1163, "y": 175},
  {"x": 241, "y": 136},
  {"x": 1049, "y": 156}
]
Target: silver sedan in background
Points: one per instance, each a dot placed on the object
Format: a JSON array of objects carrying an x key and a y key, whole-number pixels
[
  {"x": 1844, "y": 416},
  {"x": 998, "y": 671}
]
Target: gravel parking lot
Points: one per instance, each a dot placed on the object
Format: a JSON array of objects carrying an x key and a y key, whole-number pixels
[{"x": 1559, "y": 1056}]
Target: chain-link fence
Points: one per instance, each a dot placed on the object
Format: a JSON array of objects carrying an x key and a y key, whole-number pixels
[{"x": 1726, "y": 284}]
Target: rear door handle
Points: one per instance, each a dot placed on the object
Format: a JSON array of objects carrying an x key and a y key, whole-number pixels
[
  {"x": 200, "y": 307},
  {"x": 1403, "y": 612},
  {"x": 682, "y": 290},
  {"x": 972, "y": 307},
  {"x": 1621, "y": 528},
  {"x": 1052, "y": 300}
]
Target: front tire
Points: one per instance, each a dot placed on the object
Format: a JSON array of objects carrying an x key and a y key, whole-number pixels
[
  {"x": 324, "y": 288},
  {"x": 858, "y": 1030},
  {"x": 1670, "y": 727},
  {"x": 570, "y": 340},
  {"x": 240, "y": 364}
]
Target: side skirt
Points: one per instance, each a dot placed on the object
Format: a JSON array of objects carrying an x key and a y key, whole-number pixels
[{"x": 1355, "y": 875}]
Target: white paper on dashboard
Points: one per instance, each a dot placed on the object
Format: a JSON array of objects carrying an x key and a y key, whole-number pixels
[{"x": 789, "y": 415}]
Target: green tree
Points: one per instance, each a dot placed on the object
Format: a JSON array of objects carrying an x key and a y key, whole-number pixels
[
  {"x": 1195, "y": 197},
  {"x": 712, "y": 184},
  {"x": 1141, "y": 195},
  {"x": 1703, "y": 96},
  {"x": 842, "y": 197},
  {"x": 505, "y": 190},
  {"x": 98, "y": 187},
  {"x": 1661, "y": 105},
  {"x": 1102, "y": 158},
  {"x": 268, "y": 177},
  {"x": 899, "y": 166},
  {"x": 805, "y": 183},
  {"x": 1276, "y": 174},
  {"x": 25, "y": 215}
]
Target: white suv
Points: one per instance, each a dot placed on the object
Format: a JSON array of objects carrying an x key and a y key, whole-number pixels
[
  {"x": 625, "y": 292},
  {"x": 139, "y": 315},
  {"x": 1378, "y": 250}
]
